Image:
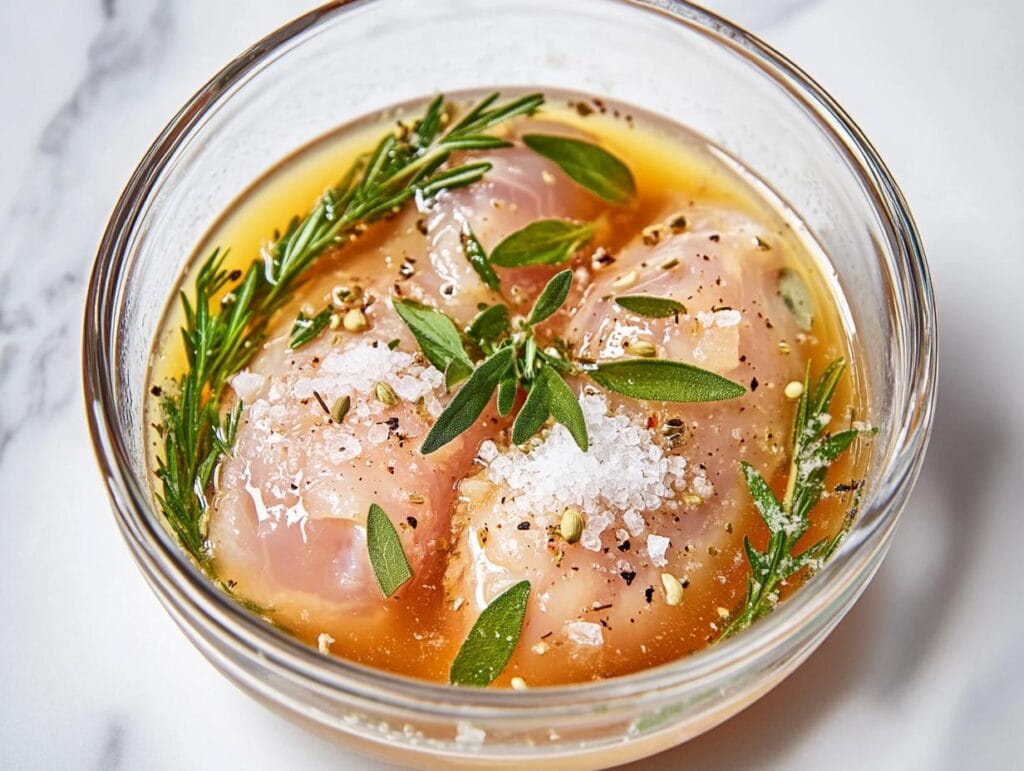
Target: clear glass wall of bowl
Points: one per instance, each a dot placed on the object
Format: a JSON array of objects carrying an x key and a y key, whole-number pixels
[{"x": 345, "y": 61}]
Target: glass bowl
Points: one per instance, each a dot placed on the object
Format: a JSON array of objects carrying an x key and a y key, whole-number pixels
[{"x": 346, "y": 60}]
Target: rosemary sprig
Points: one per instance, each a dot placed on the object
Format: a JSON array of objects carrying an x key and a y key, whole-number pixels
[
  {"x": 813, "y": 451},
  {"x": 221, "y": 337}
]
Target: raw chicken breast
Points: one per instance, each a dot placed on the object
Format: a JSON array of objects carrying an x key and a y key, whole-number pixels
[
  {"x": 660, "y": 487},
  {"x": 288, "y": 521}
]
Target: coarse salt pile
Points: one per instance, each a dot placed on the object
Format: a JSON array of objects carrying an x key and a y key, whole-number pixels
[
  {"x": 354, "y": 372},
  {"x": 358, "y": 369},
  {"x": 623, "y": 474}
]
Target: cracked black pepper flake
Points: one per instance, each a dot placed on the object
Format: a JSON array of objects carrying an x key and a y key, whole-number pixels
[{"x": 628, "y": 576}]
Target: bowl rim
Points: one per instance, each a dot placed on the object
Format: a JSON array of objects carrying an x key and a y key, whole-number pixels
[{"x": 833, "y": 589}]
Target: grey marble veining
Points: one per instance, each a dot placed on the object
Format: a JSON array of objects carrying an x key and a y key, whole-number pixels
[
  {"x": 50, "y": 234},
  {"x": 925, "y": 672}
]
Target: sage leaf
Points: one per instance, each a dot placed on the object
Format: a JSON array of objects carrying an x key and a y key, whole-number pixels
[
  {"x": 544, "y": 242},
  {"x": 477, "y": 258},
  {"x": 305, "y": 329},
  {"x": 650, "y": 307},
  {"x": 797, "y": 297},
  {"x": 436, "y": 334},
  {"x": 550, "y": 396},
  {"x": 469, "y": 401},
  {"x": 551, "y": 297},
  {"x": 533, "y": 413},
  {"x": 663, "y": 380},
  {"x": 507, "y": 391},
  {"x": 490, "y": 324},
  {"x": 455, "y": 373},
  {"x": 390, "y": 565},
  {"x": 492, "y": 640},
  {"x": 565, "y": 407},
  {"x": 591, "y": 166}
]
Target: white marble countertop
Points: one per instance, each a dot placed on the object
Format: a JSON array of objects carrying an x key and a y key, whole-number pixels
[{"x": 926, "y": 672}]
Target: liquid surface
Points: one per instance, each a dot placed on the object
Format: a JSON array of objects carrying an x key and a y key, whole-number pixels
[{"x": 660, "y": 487}]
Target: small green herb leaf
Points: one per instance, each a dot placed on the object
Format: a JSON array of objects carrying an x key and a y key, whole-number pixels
[
  {"x": 477, "y": 257},
  {"x": 662, "y": 380},
  {"x": 767, "y": 504},
  {"x": 507, "y": 391},
  {"x": 490, "y": 324},
  {"x": 387, "y": 557},
  {"x": 550, "y": 396},
  {"x": 650, "y": 307},
  {"x": 305, "y": 329},
  {"x": 455, "y": 373},
  {"x": 533, "y": 413},
  {"x": 544, "y": 242},
  {"x": 469, "y": 401},
  {"x": 492, "y": 640},
  {"x": 436, "y": 334},
  {"x": 797, "y": 296},
  {"x": 551, "y": 298},
  {"x": 591, "y": 166},
  {"x": 565, "y": 407}
]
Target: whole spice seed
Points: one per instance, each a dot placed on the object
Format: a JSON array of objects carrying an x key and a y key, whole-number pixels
[
  {"x": 643, "y": 348},
  {"x": 340, "y": 408},
  {"x": 794, "y": 389},
  {"x": 571, "y": 527},
  {"x": 355, "y": 321},
  {"x": 385, "y": 394},
  {"x": 673, "y": 589}
]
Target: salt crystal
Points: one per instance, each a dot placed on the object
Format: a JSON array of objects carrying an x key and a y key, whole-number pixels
[
  {"x": 702, "y": 486},
  {"x": 584, "y": 633},
  {"x": 634, "y": 522},
  {"x": 247, "y": 384},
  {"x": 377, "y": 433},
  {"x": 596, "y": 524},
  {"x": 657, "y": 545}
]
